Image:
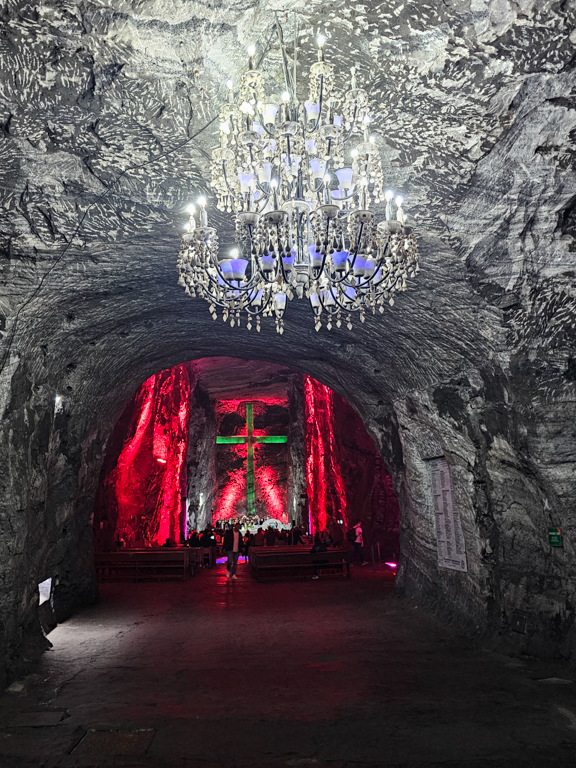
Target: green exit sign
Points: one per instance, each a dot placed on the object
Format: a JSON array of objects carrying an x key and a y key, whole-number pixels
[{"x": 555, "y": 537}]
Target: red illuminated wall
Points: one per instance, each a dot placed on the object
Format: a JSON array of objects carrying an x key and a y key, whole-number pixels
[
  {"x": 140, "y": 496},
  {"x": 346, "y": 477},
  {"x": 325, "y": 486}
]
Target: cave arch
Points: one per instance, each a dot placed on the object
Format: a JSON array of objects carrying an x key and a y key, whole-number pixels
[{"x": 152, "y": 462}]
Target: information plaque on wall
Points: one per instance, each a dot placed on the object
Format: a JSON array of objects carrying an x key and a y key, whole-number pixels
[{"x": 449, "y": 536}]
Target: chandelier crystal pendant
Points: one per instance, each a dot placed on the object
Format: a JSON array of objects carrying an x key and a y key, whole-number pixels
[{"x": 300, "y": 179}]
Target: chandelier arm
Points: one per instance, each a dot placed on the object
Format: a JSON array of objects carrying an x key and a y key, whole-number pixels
[
  {"x": 343, "y": 200},
  {"x": 258, "y": 117},
  {"x": 262, "y": 309},
  {"x": 259, "y": 271},
  {"x": 320, "y": 105},
  {"x": 249, "y": 286},
  {"x": 351, "y": 131},
  {"x": 230, "y": 191},
  {"x": 351, "y": 267}
]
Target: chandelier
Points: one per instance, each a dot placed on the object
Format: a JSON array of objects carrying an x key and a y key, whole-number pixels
[{"x": 300, "y": 179}]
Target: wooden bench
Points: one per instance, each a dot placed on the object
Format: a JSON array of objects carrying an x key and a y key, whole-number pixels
[
  {"x": 287, "y": 563},
  {"x": 144, "y": 564}
]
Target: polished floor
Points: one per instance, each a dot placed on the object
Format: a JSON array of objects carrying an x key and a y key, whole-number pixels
[{"x": 321, "y": 673}]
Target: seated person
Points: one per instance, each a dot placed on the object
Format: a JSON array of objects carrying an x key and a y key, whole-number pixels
[
  {"x": 318, "y": 545},
  {"x": 207, "y": 539},
  {"x": 270, "y": 536},
  {"x": 194, "y": 539},
  {"x": 259, "y": 538}
]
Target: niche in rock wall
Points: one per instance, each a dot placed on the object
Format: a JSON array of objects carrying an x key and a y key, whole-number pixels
[{"x": 252, "y": 460}]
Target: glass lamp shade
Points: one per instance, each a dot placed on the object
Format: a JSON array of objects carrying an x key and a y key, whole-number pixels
[
  {"x": 256, "y": 298},
  {"x": 338, "y": 120},
  {"x": 328, "y": 299},
  {"x": 344, "y": 176},
  {"x": 337, "y": 194},
  {"x": 267, "y": 263},
  {"x": 288, "y": 262},
  {"x": 226, "y": 269},
  {"x": 258, "y": 128},
  {"x": 369, "y": 267},
  {"x": 265, "y": 173},
  {"x": 317, "y": 166},
  {"x": 269, "y": 114},
  {"x": 280, "y": 301},
  {"x": 349, "y": 294},
  {"x": 315, "y": 257},
  {"x": 311, "y": 146},
  {"x": 312, "y": 110},
  {"x": 315, "y": 301},
  {"x": 238, "y": 268},
  {"x": 339, "y": 260},
  {"x": 245, "y": 180},
  {"x": 359, "y": 267}
]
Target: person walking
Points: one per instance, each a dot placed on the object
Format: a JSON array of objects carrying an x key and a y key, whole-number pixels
[
  {"x": 356, "y": 543},
  {"x": 233, "y": 546}
]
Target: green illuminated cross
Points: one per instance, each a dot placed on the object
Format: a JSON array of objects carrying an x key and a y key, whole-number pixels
[{"x": 250, "y": 440}]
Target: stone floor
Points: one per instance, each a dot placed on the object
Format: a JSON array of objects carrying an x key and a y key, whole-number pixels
[{"x": 323, "y": 673}]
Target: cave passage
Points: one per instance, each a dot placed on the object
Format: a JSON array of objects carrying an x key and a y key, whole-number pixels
[{"x": 219, "y": 439}]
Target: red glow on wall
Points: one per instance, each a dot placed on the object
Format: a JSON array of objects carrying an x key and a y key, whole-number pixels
[
  {"x": 325, "y": 486},
  {"x": 273, "y": 497},
  {"x": 143, "y": 491},
  {"x": 234, "y": 490}
]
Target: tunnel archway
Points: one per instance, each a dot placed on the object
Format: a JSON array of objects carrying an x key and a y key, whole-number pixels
[{"x": 164, "y": 473}]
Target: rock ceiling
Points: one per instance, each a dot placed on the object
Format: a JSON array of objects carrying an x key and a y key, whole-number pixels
[{"x": 108, "y": 118}]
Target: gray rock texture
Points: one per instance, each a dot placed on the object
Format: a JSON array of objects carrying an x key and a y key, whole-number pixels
[{"x": 106, "y": 123}]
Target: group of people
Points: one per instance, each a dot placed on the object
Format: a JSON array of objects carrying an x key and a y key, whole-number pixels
[{"x": 235, "y": 543}]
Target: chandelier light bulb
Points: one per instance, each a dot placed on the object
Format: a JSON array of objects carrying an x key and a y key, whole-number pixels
[
  {"x": 321, "y": 40},
  {"x": 229, "y": 84},
  {"x": 286, "y": 96},
  {"x": 234, "y": 253},
  {"x": 326, "y": 178},
  {"x": 399, "y": 200},
  {"x": 389, "y": 195},
  {"x": 367, "y": 120},
  {"x": 191, "y": 209},
  {"x": 274, "y": 183},
  {"x": 372, "y": 140},
  {"x": 202, "y": 201},
  {"x": 251, "y": 50},
  {"x": 354, "y": 152}
]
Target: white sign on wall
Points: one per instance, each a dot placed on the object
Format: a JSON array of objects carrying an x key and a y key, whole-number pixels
[{"x": 449, "y": 536}]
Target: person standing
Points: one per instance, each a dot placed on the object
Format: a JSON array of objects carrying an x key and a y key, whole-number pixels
[
  {"x": 357, "y": 543},
  {"x": 233, "y": 546}
]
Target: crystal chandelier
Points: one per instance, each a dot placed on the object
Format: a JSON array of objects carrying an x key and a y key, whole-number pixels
[{"x": 300, "y": 180}]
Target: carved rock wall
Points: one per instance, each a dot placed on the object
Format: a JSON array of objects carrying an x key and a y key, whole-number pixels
[{"x": 105, "y": 131}]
